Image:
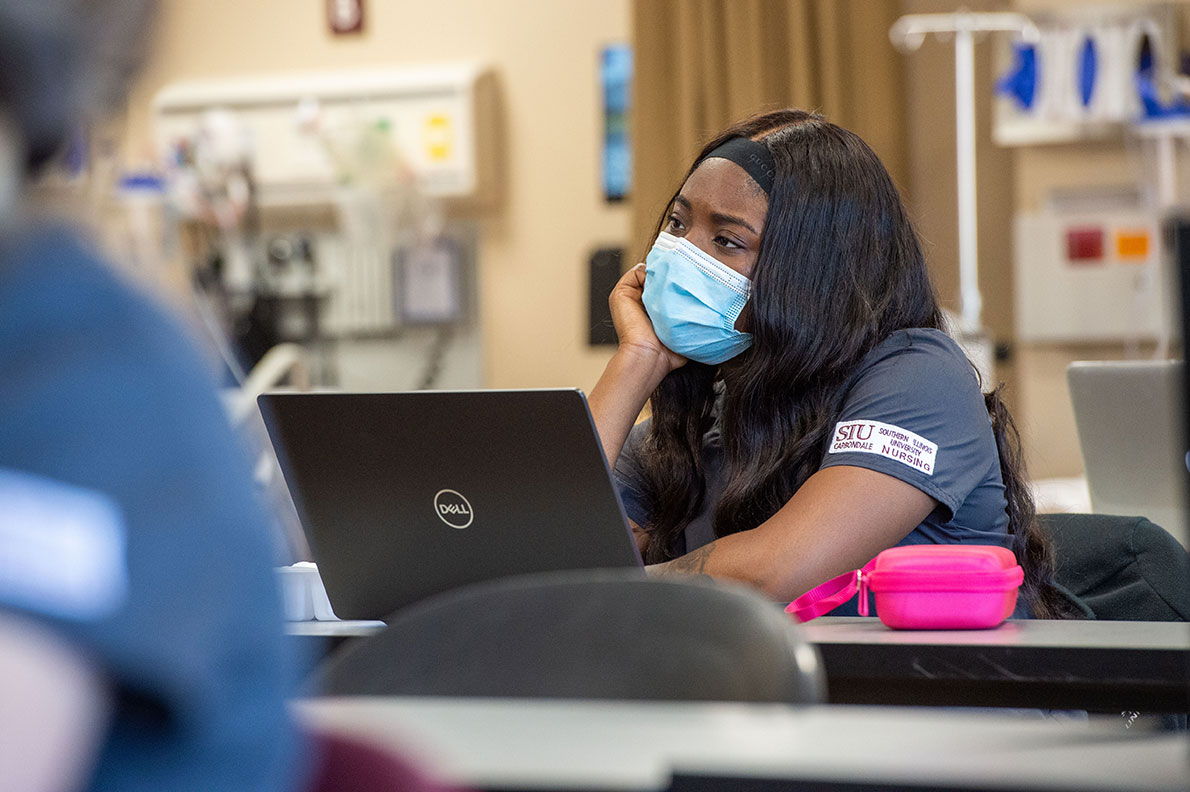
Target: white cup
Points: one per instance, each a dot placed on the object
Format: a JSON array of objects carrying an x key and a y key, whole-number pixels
[{"x": 296, "y": 601}]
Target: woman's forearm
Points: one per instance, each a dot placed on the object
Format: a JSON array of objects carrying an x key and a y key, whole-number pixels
[
  {"x": 827, "y": 528},
  {"x": 619, "y": 396}
]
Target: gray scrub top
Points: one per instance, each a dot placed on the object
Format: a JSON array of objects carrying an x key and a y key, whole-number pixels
[{"x": 913, "y": 411}]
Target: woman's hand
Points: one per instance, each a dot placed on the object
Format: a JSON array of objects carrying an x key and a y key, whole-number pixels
[{"x": 633, "y": 326}]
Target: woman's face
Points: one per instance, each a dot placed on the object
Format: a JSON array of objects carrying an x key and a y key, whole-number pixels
[{"x": 721, "y": 211}]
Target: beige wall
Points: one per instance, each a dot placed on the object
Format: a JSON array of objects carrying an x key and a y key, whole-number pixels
[
  {"x": 1044, "y": 410},
  {"x": 932, "y": 189},
  {"x": 1043, "y": 404},
  {"x": 1009, "y": 180},
  {"x": 532, "y": 267},
  {"x": 536, "y": 243}
]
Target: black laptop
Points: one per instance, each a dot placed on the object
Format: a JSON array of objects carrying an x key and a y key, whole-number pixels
[{"x": 404, "y": 495}]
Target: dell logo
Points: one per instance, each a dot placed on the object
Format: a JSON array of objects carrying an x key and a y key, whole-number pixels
[{"x": 453, "y": 509}]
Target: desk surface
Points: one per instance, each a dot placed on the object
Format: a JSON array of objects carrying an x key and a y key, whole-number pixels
[
  {"x": 1057, "y": 634},
  {"x": 1098, "y": 665},
  {"x": 1105, "y": 666},
  {"x": 334, "y": 629},
  {"x": 522, "y": 744},
  {"x": 1060, "y": 634}
]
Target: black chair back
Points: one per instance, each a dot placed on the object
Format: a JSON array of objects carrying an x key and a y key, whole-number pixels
[
  {"x": 601, "y": 634},
  {"x": 1122, "y": 568}
]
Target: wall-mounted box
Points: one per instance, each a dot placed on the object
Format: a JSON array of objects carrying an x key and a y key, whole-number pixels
[
  {"x": 442, "y": 119},
  {"x": 1091, "y": 277}
]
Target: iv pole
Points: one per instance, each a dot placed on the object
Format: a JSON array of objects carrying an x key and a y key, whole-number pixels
[{"x": 907, "y": 35}]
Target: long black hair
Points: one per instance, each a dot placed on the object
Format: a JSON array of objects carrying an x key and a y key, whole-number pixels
[{"x": 839, "y": 269}]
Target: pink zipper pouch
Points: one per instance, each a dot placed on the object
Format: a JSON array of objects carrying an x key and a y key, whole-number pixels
[{"x": 926, "y": 587}]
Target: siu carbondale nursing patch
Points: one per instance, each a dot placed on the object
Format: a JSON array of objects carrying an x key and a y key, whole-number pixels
[{"x": 874, "y": 437}]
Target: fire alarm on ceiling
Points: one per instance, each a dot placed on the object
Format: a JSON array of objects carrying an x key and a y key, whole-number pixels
[{"x": 345, "y": 16}]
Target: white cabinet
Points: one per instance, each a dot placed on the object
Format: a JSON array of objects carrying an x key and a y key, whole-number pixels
[{"x": 441, "y": 119}]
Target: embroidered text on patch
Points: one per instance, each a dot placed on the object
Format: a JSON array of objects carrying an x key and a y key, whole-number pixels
[{"x": 874, "y": 437}]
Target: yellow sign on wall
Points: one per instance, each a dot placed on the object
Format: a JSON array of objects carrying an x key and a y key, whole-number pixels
[
  {"x": 438, "y": 137},
  {"x": 1132, "y": 245}
]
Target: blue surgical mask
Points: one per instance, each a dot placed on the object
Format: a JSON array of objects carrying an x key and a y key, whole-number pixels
[{"x": 694, "y": 300}]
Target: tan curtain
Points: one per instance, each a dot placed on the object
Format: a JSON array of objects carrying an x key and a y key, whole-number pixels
[{"x": 702, "y": 64}]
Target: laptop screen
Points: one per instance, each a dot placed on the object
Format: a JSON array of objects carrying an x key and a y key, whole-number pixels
[{"x": 404, "y": 495}]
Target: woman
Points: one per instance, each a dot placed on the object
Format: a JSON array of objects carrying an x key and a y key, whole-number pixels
[{"x": 808, "y": 410}]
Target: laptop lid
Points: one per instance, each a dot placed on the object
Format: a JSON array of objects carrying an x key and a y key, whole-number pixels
[
  {"x": 1130, "y": 427},
  {"x": 404, "y": 495}
]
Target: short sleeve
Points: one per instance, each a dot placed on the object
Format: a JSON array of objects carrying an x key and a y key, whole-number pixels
[
  {"x": 630, "y": 477},
  {"x": 916, "y": 412}
]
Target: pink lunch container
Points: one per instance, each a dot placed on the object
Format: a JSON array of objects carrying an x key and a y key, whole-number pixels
[{"x": 944, "y": 587}]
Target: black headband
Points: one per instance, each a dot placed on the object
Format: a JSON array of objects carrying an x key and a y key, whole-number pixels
[{"x": 753, "y": 157}]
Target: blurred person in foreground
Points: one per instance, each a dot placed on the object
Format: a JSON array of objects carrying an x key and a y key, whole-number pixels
[{"x": 140, "y": 632}]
